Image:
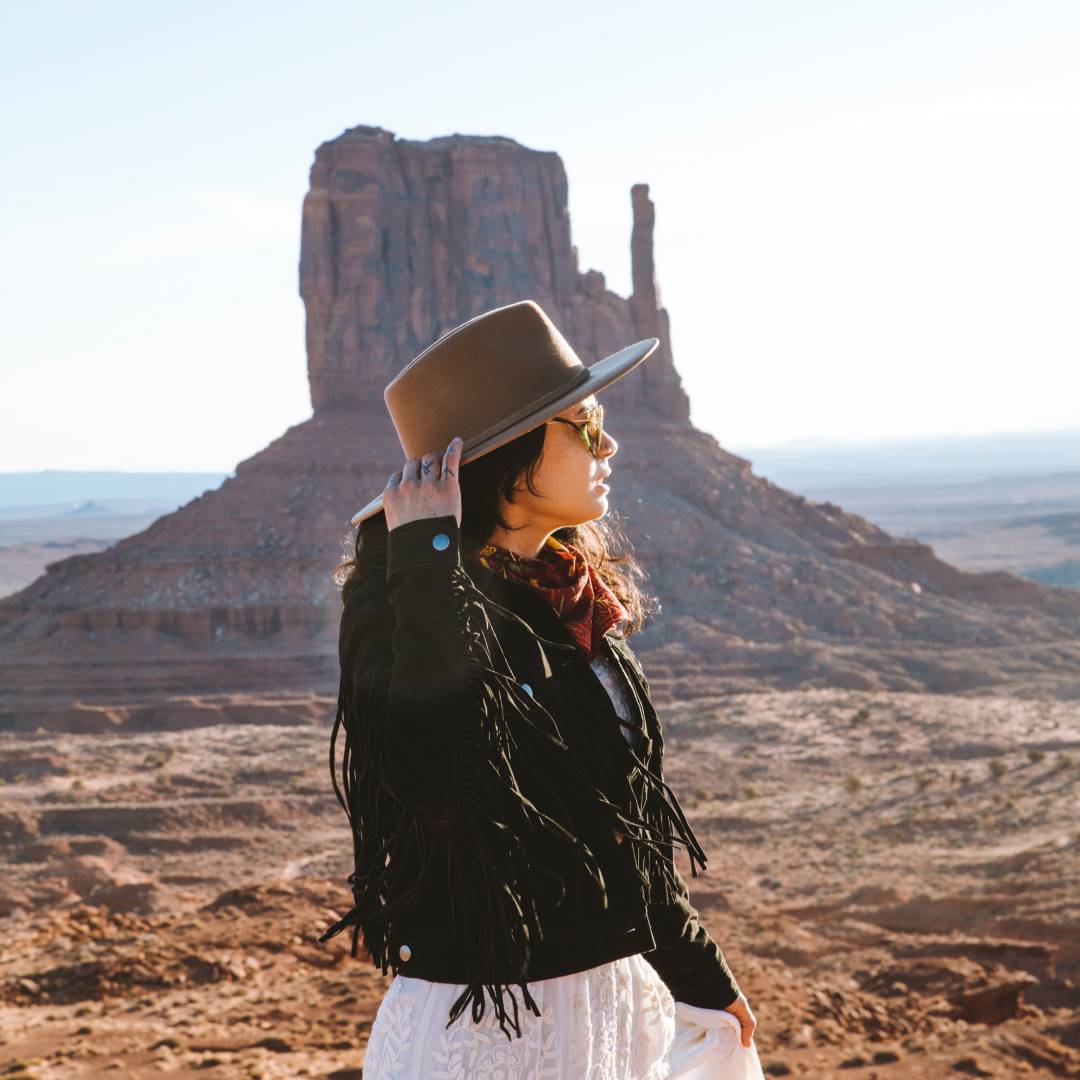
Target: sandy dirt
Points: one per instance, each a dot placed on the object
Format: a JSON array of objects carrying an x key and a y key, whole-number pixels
[{"x": 895, "y": 879}]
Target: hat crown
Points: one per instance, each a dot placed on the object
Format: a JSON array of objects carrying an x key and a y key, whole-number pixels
[{"x": 481, "y": 378}]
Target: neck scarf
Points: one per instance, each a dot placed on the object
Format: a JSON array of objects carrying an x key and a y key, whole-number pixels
[{"x": 564, "y": 577}]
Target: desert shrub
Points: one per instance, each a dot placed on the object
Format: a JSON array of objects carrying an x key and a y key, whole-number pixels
[
  {"x": 157, "y": 759},
  {"x": 925, "y": 778}
]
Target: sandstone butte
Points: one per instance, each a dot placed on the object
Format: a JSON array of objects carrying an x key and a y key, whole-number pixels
[{"x": 227, "y": 607}]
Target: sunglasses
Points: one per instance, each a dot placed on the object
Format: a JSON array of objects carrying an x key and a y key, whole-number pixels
[{"x": 590, "y": 430}]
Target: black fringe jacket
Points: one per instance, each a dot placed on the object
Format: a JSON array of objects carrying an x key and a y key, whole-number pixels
[{"x": 504, "y": 828}]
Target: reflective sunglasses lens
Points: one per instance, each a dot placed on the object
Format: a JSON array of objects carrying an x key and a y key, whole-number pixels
[{"x": 596, "y": 427}]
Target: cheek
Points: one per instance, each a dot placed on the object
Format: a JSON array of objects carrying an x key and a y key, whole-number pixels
[
  {"x": 577, "y": 474},
  {"x": 565, "y": 473}
]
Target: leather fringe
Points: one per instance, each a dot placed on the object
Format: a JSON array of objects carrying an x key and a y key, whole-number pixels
[{"x": 494, "y": 888}]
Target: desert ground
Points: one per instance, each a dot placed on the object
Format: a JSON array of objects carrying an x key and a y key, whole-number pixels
[{"x": 895, "y": 879}]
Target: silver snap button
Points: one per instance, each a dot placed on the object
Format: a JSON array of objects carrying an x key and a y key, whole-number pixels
[
  {"x": 404, "y": 952},
  {"x": 440, "y": 542},
  {"x": 528, "y": 689}
]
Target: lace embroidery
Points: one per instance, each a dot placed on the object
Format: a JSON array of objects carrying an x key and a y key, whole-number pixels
[
  {"x": 469, "y": 1050},
  {"x": 610, "y": 1022},
  {"x": 391, "y": 1035},
  {"x": 657, "y": 1012}
]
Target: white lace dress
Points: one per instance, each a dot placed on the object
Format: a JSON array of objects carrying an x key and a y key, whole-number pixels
[{"x": 616, "y": 1021}]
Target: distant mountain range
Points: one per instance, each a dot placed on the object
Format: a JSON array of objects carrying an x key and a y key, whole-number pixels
[
  {"x": 805, "y": 465},
  {"x": 802, "y": 465},
  {"x": 67, "y": 490}
]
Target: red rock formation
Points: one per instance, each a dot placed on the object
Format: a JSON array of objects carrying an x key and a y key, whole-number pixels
[
  {"x": 403, "y": 240},
  {"x": 232, "y": 594}
]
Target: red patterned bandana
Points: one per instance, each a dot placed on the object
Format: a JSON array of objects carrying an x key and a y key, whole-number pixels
[{"x": 563, "y": 576}]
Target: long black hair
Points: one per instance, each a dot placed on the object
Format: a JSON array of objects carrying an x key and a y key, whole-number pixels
[{"x": 483, "y": 483}]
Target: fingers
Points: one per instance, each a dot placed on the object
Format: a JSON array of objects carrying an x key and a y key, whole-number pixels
[
  {"x": 747, "y": 1024},
  {"x": 452, "y": 457},
  {"x": 434, "y": 465},
  {"x": 740, "y": 1009},
  {"x": 413, "y": 469},
  {"x": 429, "y": 467}
]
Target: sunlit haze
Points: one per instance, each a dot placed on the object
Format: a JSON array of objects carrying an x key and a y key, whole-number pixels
[{"x": 867, "y": 221}]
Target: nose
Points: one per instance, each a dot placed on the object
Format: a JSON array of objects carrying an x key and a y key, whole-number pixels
[{"x": 608, "y": 445}]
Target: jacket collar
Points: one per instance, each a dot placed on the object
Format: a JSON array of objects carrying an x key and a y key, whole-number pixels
[
  {"x": 544, "y": 621},
  {"x": 523, "y": 600}
]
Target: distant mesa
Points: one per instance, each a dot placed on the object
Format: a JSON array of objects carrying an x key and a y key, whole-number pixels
[
  {"x": 89, "y": 508},
  {"x": 401, "y": 240}
]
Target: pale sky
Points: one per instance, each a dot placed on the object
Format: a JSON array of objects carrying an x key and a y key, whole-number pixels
[{"x": 867, "y": 214}]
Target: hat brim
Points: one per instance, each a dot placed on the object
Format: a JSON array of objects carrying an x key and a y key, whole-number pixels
[{"x": 601, "y": 374}]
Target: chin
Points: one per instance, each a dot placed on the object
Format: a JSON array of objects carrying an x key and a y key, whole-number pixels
[{"x": 582, "y": 516}]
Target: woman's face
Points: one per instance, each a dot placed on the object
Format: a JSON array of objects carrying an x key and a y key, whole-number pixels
[{"x": 566, "y": 478}]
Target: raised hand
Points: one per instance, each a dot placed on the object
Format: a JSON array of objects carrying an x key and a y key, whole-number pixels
[
  {"x": 425, "y": 487},
  {"x": 740, "y": 1009}
]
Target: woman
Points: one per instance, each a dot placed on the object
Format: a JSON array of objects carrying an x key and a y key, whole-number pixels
[{"x": 513, "y": 834}]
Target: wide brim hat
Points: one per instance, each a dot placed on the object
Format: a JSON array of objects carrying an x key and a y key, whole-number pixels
[{"x": 491, "y": 379}]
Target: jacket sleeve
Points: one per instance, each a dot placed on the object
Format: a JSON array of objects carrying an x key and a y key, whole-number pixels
[
  {"x": 421, "y": 696},
  {"x": 686, "y": 957}
]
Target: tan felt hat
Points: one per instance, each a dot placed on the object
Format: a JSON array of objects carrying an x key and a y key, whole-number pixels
[{"x": 490, "y": 380}]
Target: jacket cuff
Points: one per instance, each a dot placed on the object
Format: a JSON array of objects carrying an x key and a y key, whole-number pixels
[
  {"x": 687, "y": 958},
  {"x": 430, "y": 541}
]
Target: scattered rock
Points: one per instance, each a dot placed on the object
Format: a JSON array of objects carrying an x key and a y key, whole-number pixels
[
  {"x": 885, "y": 1057},
  {"x": 995, "y": 1004},
  {"x": 972, "y": 1066},
  {"x": 278, "y": 1045}
]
